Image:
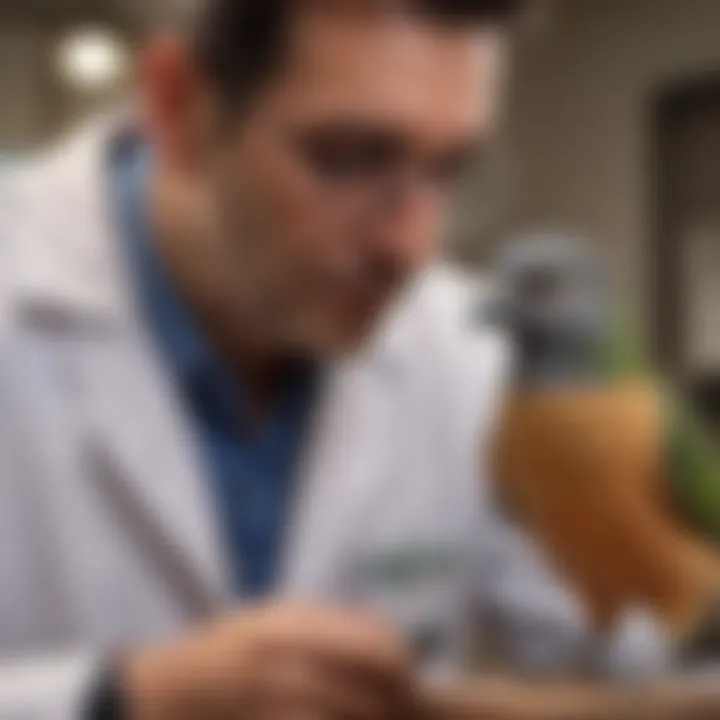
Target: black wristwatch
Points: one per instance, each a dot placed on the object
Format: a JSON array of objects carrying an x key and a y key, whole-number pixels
[{"x": 106, "y": 701}]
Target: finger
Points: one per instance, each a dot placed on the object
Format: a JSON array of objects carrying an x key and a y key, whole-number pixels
[
  {"x": 395, "y": 691},
  {"x": 353, "y": 640},
  {"x": 300, "y": 684}
]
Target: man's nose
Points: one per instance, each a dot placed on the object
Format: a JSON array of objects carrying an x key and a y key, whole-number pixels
[{"x": 406, "y": 231}]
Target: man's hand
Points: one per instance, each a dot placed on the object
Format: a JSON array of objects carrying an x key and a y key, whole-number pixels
[{"x": 274, "y": 663}]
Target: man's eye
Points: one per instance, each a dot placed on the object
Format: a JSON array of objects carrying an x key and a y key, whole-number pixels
[
  {"x": 344, "y": 160},
  {"x": 337, "y": 163}
]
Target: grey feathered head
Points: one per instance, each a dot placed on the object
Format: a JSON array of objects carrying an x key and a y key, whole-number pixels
[{"x": 554, "y": 299}]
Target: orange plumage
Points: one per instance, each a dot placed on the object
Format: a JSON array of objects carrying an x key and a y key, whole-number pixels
[{"x": 583, "y": 470}]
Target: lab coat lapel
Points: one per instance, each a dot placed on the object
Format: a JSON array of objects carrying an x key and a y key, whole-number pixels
[
  {"x": 145, "y": 453},
  {"x": 345, "y": 466},
  {"x": 68, "y": 267},
  {"x": 145, "y": 459},
  {"x": 348, "y": 465}
]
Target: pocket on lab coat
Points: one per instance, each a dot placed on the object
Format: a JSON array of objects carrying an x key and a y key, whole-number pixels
[{"x": 421, "y": 585}]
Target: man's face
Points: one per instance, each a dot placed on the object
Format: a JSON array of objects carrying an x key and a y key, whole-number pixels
[{"x": 329, "y": 191}]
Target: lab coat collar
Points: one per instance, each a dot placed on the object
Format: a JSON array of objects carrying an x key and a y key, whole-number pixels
[{"x": 65, "y": 258}]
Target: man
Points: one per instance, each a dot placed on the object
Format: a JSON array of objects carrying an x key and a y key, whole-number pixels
[{"x": 245, "y": 412}]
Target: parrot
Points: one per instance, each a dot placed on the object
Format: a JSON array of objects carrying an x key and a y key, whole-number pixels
[{"x": 606, "y": 464}]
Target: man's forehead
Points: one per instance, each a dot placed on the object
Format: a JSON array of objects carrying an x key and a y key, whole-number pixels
[{"x": 395, "y": 64}]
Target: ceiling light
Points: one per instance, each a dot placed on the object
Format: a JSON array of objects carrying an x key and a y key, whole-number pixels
[{"x": 92, "y": 59}]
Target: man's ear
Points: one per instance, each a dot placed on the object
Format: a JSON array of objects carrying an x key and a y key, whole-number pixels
[{"x": 175, "y": 102}]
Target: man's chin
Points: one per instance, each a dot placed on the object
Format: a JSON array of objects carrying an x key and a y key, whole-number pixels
[
  {"x": 344, "y": 327},
  {"x": 344, "y": 345},
  {"x": 350, "y": 334}
]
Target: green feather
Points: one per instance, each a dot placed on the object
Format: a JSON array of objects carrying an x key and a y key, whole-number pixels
[
  {"x": 693, "y": 456},
  {"x": 693, "y": 468}
]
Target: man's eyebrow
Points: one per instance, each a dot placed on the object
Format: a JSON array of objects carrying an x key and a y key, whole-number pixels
[
  {"x": 471, "y": 146},
  {"x": 460, "y": 156},
  {"x": 343, "y": 125}
]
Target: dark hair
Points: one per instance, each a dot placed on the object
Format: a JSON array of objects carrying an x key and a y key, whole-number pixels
[{"x": 240, "y": 43}]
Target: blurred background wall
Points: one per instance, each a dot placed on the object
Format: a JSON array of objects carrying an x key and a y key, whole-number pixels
[
  {"x": 583, "y": 149},
  {"x": 584, "y": 115}
]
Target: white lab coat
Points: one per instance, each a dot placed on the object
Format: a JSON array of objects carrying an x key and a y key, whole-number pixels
[{"x": 107, "y": 531}]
